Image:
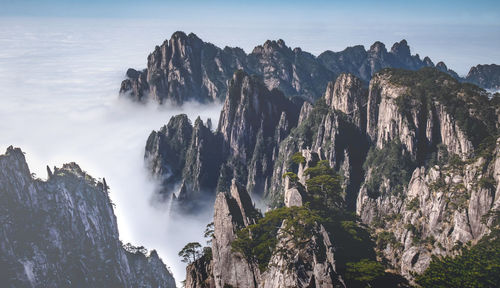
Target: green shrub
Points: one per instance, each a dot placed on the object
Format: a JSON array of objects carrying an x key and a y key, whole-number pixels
[
  {"x": 258, "y": 242},
  {"x": 478, "y": 266},
  {"x": 391, "y": 162}
]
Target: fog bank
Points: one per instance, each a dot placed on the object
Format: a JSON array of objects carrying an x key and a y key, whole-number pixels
[{"x": 59, "y": 103}]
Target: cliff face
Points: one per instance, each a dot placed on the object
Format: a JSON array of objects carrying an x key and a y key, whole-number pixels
[
  {"x": 418, "y": 155},
  {"x": 232, "y": 212},
  {"x": 418, "y": 185},
  {"x": 421, "y": 191},
  {"x": 334, "y": 130},
  {"x": 441, "y": 209},
  {"x": 290, "y": 266},
  {"x": 253, "y": 120},
  {"x": 185, "y": 68},
  {"x": 63, "y": 232},
  {"x": 486, "y": 76}
]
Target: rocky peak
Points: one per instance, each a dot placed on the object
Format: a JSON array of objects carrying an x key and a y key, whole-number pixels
[
  {"x": 186, "y": 68},
  {"x": 428, "y": 62},
  {"x": 377, "y": 48},
  {"x": 272, "y": 46},
  {"x": 230, "y": 215},
  {"x": 248, "y": 122},
  {"x": 401, "y": 49},
  {"x": 246, "y": 207},
  {"x": 166, "y": 149},
  {"x": 69, "y": 216},
  {"x": 442, "y": 67},
  {"x": 348, "y": 96}
]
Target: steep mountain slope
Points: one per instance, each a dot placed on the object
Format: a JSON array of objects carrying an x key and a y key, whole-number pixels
[
  {"x": 185, "y": 68},
  {"x": 253, "y": 120},
  {"x": 296, "y": 265},
  {"x": 416, "y": 153},
  {"x": 428, "y": 180},
  {"x": 62, "y": 232}
]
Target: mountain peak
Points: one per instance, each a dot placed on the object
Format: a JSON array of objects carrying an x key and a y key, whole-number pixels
[
  {"x": 401, "y": 48},
  {"x": 178, "y": 34},
  {"x": 378, "y": 47}
]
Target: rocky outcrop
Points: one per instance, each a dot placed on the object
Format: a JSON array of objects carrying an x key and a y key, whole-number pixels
[
  {"x": 311, "y": 266},
  {"x": 365, "y": 63},
  {"x": 201, "y": 165},
  {"x": 428, "y": 201},
  {"x": 232, "y": 212},
  {"x": 199, "y": 274},
  {"x": 252, "y": 120},
  {"x": 294, "y": 72},
  {"x": 333, "y": 130},
  {"x": 252, "y": 123},
  {"x": 63, "y": 232},
  {"x": 443, "y": 68},
  {"x": 443, "y": 208},
  {"x": 185, "y": 68},
  {"x": 348, "y": 95},
  {"x": 486, "y": 76},
  {"x": 186, "y": 155},
  {"x": 411, "y": 128}
]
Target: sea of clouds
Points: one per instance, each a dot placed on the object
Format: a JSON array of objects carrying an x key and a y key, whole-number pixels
[
  {"x": 59, "y": 82},
  {"x": 59, "y": 102}
]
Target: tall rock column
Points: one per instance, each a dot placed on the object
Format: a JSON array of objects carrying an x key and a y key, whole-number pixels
[{"x": 232, "y": 212}]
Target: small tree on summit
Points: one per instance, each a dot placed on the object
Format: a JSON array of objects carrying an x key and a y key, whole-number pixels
[{"x": 191, "y": 252}]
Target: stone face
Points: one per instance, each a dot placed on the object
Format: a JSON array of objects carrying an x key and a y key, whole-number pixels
[
  {"x": 311, "y": 266},
  {"x": 348, "y": 95},
  {"x": 293, "y": 197},
  {"x": 63, "y": 232},
  {"x": 199, "y": 274},
  {"x": 232, "y": 214},
  {"x": 251, "y": 118}
]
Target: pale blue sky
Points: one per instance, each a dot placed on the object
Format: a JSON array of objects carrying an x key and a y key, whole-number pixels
[
  {"x": 423, "y": 11},
  {"x": 461, "y": 33}
]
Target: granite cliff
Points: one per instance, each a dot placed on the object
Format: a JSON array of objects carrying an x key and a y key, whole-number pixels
[
  {"x": 185, "y": 68},
  {"x": 417, "y": 157},
  {"x": 62, "y": 232},
  {"x": 253, "y": 120}
]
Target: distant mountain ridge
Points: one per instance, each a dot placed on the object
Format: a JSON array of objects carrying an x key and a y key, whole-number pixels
[{"x": 185, "y": 68}]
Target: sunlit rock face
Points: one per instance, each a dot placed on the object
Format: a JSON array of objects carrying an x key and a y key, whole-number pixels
[
  {"x": 445, "y": 176},
  {"x": 62, "y": 232}
]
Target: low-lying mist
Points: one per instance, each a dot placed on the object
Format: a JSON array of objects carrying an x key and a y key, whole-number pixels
[{"x": 59, "y": 103}]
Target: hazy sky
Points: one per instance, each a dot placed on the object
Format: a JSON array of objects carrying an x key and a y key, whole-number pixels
[
  {"x": 61, "y": 64},
  {"x": 461, "y": 33}
]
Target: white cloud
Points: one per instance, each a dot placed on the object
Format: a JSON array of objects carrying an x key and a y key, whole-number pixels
[{"x": 59, "y": 103}]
